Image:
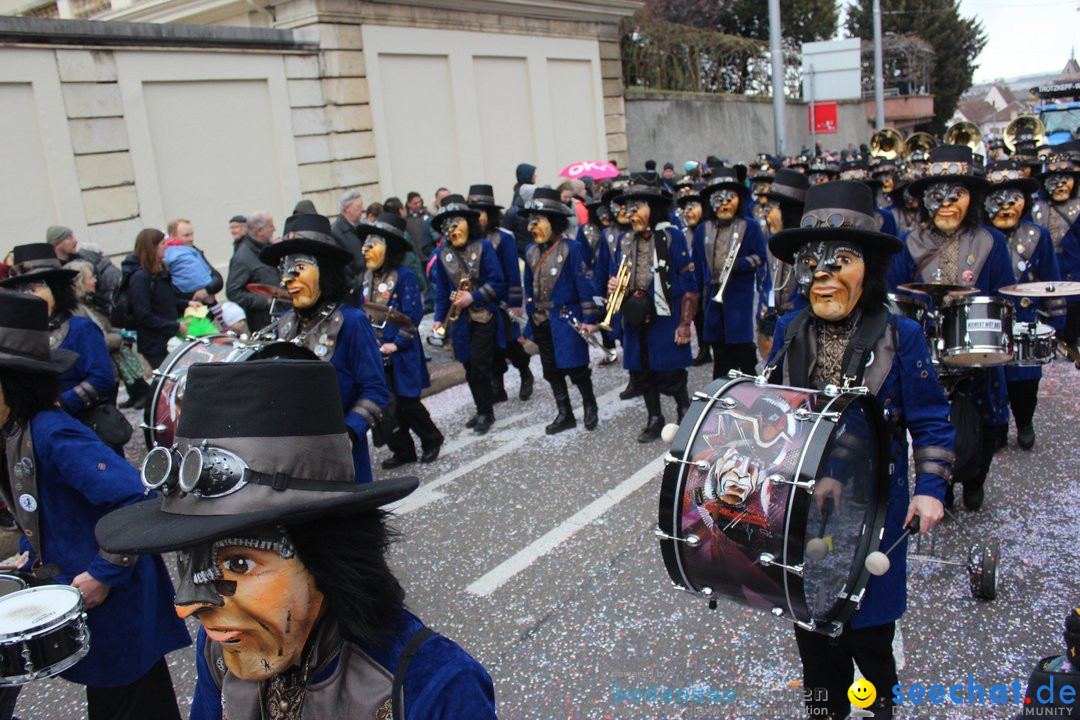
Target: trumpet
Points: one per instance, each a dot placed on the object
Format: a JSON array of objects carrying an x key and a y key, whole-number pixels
[
  {"x": 455, "y": 312},
  {"x": 729, "y": 265},
  {"x": 609, "y": 353},
  {"x": 614, "y": 301}
]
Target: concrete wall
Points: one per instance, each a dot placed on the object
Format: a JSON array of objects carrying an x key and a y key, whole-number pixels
[{"x": 687, "y": 126}]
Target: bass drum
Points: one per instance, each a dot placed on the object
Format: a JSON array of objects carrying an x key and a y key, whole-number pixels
[
  {"x": 162, "y": 413},
  {"x": 773, "y": 497}
]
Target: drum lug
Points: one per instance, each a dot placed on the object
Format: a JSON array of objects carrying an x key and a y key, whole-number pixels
[
  {"x": 155, "y": 428},
  {"x": 832, "y": 390},
  {"x": 778, "y": 479},
  {"x": 699, "y": 464},
  {"x": 28, "y": 661},
  {"x": 804, "y": 414},
  {"x": 698, "y": 395},
  {"x": 736, "y": 375},
  {"x": 165, "y": 375},
  {"x": 768, "y": 559},
  {"x": 691, "y": 539},
  {"x": 728, "y": 403}
]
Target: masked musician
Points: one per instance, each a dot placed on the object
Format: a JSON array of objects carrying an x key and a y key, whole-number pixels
[
  {"x": 469, "y": 284},
  {"x": 482, "y": 199},
  {"x": 1060, "y": 213},
  {"x": 58, "y": 479},
  {"x": 661, "y": 298},
  {"x": 688, "y": 216},
  {"x": 905, "y": 207},
  {"x": 761, "y": 173},
  {"x": 281, "y": 560},
  {"x": 822, "y": 170},
  {"x": 777, "y": 289},
  {"x": 847, "y": 335},
  {"x": 558, "y": 290},
  {"x": 729, "y": 249},
  {"x": 954, "y": 249},
  {"x": 387, "y": 282},
  {"x": 859, "y": 170},
  {"x": 884, "y": 172},
  {"x": 313, "y": 267},
  {"x": 1032, "y": 254}
]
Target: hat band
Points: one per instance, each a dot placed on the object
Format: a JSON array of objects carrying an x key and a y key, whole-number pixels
[
  {"x": 387, "y": 228},
  {"x": 310, "y": 235},
  {"x": 33, "y": 344},
  {"x": 28, "y": 266},
  {"x": 546, "y": 206},
  {"x": 455, "y": 209},
  {"x": 481, "y": 200},
  {"x": 837, "y": 218}
]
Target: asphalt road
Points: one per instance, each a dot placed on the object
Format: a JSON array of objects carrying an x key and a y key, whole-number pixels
[{"x": 536, "y": 554}]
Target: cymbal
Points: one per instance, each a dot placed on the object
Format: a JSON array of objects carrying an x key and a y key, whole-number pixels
[
  {"x": 941, "y": 289},
  {"x": 1048, "y": 288},
  {"x": 380, "y": 313},
  {"x": 274, "y": 291}
]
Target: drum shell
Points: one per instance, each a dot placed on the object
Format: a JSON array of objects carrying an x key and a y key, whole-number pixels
[
  {"x": 40, "y": 652},
  {"x": 1033, "y": 344},
  {"x": 976, "y": 331}
]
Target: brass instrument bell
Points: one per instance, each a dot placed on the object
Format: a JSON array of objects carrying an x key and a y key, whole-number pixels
[
  {"x": 1024, "y": 129},
  {"x": 886, "y": 144},
  {"x": 965, "y": 133},
  {"x": 919, "y": 144}
]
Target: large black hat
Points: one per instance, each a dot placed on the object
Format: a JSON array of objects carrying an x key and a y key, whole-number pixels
[
  {"x": 839, "y": 210},
  {"x": 306, "y": 234},
  {"x": 763, "y": 168},
  {"x": 546, "y": 201},
  {"x": 482, "y": 197},
  {"x": 1006, "y": 174},
  {"x": 724, "y": 179},
  {"x": 1060, "y": 163},
  {"x": 389, "y": 226},
  {"x": 950, "y": 164},
  {"x": 24, "y": 336},
  {"x": 858, "y": 170},
  {"x": 643, "y": 187},
  {"x": 36, "y": 262},
  {"x": 687, "y": 191},
  {"x": 789, "y": 187},
  {"x": 279, "y": 418},
  {"x": 454, "y": 205}
]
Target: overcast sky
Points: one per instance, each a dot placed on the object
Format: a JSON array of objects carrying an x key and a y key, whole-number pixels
[{"x": 1024, "y": 37}]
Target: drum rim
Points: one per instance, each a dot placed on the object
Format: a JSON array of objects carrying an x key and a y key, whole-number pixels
[
  {"x": 955, "y": 300},
  {"x": 46, "y": 627},
  {"x": 59, "y": 666}
]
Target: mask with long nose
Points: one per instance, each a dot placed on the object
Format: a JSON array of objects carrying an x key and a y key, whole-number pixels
[{"x": 832, "y": 274}]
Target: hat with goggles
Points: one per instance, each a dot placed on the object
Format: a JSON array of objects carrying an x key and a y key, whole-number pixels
[
  {"x": 1009, "y": 174},
  {"x": 725, "y": 179},
  {"x": 454, "y": 206},
  {"x": 259, "y": 443},
  {"x": 839, "y": 210},
  {"x": 306, "y": 234},
  {"x": 950, "y": 164},
  {"x": 547, "y": 202}
]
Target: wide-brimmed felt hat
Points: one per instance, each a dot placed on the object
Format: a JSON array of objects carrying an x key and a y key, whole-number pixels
[
  {"x": 687, "y": 190},
  {"x": 546, "y": 201},
  {"x": 858, "y": 170},
  {"x": 389, "y": 226},
  {"x": 724, "y": 179},
  {"x": 306, "y": 234},
  {"x": 280, "y": 418},
  {"x": 1060, "y": 163},
  {"x": 24, "y": 336},
  {"x": 36, "y": 262},
  {"x": 950, "y": 164},
  {"x": 1006, "y": 174},
  {"x": 841, "y": 210},
  {"x": 642, "y": 187},
  {"x": 482, "y": 197},
  {"x": 763, "y": 168},
  {"x": 819, "y": 164},
  {"x": 450, "y": 206},
  {"x": 789, "y": 187}
]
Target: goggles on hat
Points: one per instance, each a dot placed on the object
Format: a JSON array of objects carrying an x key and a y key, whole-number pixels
[
  {"x": 290, "y": 264},
  {"x": 949, "y": 168},
  {"x": 722, "y": 197},
  {"x": 211, "y": 472},
  {"x": 1059, "y": 166},
  {"x": 834, "y": 220},
  {"x": 1000, "y": 176},
  {"x": 998, "y": 199}
]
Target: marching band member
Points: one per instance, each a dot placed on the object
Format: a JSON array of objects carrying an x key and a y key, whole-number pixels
[
  {"x": 884, "y": 173},
  {"x": 661, "y": 297},
  {"x": 598, "y": 237},
  {"x": 905, "y": 207},
  {"x": 1033, "y": 258},
  {"x": 954, "y": 249},
  {"x": 469, "y": 283},
  {"x": 689, "y": 214},
  {"x": 777, "y": 289},
  {"x": 557, "y": 289},
  {"x": 312, "y": 267},
  {"x": 858, "y": 169},
  {"x": 841, "y": 259},
  {"x": 388, "y": 282},
  {"x": 822, "y": 171},
  {"x": 729, "y": 248},
  {"x": 1061, "y": 215},
  {"x": 482, "y": 199}
]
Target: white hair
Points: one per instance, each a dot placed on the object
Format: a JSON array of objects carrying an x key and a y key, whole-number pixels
[{"x": 348, "y": 196}]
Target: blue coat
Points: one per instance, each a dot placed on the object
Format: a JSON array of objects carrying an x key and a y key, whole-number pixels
[
  {"x": 93, "y": 366},
  {"x": 664, "y": 354},
  {"x": 571, "y": 289},
  {"x": 409, "y": 369},
  {"x": 1042, "y": 265},
  {"x": 888, "y": 222},
  {"x": 506, "y": 251},
  {"x": 1068, "y": 250},
  {"x": 913, "y": 401},
  {"x": 491, "y": 276},
  {"x": 79, "y": 481},
  {"x": 733, "y": 320}
]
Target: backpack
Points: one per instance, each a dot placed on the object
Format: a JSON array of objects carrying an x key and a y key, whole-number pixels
[{"x": 121, "y": 314}]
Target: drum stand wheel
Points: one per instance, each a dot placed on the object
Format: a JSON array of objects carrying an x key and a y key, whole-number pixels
[{"x": 981, "y": 566}]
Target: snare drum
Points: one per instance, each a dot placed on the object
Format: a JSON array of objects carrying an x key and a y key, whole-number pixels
[
  {"x": 42, "y": 633},
  {"x": 1033, "y": 344},
  {"x": 976, "y": 331},
  {"x": 911, "y": 308},
  {"x": 10, "y": 584},
  {"x": 739, "y": 502}
]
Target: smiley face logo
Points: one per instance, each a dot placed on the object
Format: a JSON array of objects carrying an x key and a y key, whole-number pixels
[{"x": 861, "y": 693}]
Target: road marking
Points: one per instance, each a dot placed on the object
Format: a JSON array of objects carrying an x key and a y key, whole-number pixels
[{"x": 497, "y": 577}]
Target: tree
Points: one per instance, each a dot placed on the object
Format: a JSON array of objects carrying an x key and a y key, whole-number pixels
[
  {"x": 803, "y": 20},
  {"x": 956, "y": 41}
]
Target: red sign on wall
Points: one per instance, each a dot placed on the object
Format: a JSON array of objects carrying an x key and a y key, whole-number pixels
[{"x": 824, "y": 120}]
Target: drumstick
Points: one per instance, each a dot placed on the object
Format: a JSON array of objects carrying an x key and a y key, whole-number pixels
[{"x": 877, "y": 562}]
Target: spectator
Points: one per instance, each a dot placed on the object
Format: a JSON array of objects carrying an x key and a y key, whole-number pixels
[
  {"x": 418, "y": 226},
  {"x": 67, "y": 249},
  {"x": 373, "y": 211},
  {"x": 245, "y": 268},
  {"x": 566, "y": 194},
  {"x": 526, "y": 176},
  {"x": 237, "y": 228},
  {"x": 344, "y": 230},
  {"x": 190, "y": 271},
  {"x": 393, "y": 205},
  {"x": 439, "y": 195},
  {"x": 153, "y": 302}
]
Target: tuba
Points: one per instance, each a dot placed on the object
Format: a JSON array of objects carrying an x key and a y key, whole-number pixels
[
  {"x": 1026, "y": 129},
  {"x": 920, "y": 143},
  {"x": 965, "y": 133},
  {"x": 886, "y": 144}
]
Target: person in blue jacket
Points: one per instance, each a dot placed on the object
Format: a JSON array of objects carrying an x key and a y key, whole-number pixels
[
  {"x": 59, "y": 479},
  {"x": 841, "y": 257},
  {"x": 1031, "y": 252},
  {"x": 469, "y": 284},
  {"x": 729, "y": 322},
  {"x": 558, "y": 292},
  {"x": 951, "y": 247},
  {"x": 312, "y": 268},
  {"x": 482, "y": 199},
  {"x": 389, "y": 284},
  {"x": 659, "y": 304},
  {"x": 282, "y": 559},
  {"x": 1060, "y": 213},
  {"x": 91, "y": 381}
]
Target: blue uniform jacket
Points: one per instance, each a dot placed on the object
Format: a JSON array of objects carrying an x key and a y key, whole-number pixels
[
  {"x": 93, "y": 367},
  {"x": 409, "y": 369},
  {"x": 506, "y": 251},
  {"x": 664, "y": 354},
  {"x": 913, "y": 401},
  {"x": 491, "y": 274},
  {"x": 571, "y": 289},
  {"x": 443, "y": 682},
  {"x": 79, "y": 481},
  {"x": 360, "y": 375},
  {"x": 888, "y": 222},
  {"x": 1043, "y": 265},
  {"x": 733, "y": 320}
]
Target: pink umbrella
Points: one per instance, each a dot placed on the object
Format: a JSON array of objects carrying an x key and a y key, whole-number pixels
[{"x": 593, "y": 168}]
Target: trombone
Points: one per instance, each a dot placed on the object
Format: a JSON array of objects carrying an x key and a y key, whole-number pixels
[{"x": 614, "y": 301}]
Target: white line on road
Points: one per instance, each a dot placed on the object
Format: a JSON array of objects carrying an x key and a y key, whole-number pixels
[{"x": 495, "y": 578}]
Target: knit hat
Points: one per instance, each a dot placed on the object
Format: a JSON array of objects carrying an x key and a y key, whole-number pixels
[{"x": 56, "y": 234}]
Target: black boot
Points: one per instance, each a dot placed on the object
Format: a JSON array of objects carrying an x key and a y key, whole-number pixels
[
  {"x": 588, "y": 402},
  {"x": 704, "y": 356},
  {"x": 1025, "y": 436},
  {"x": 631, "y": 391},
  {"x": 682, "y": 404},
  {"x": 526, "y": 390},
  {"x": 138, "y": 394},
  {"x": 483, "y": 424},
  {"x": 565, "y": 419},
  {"x": 973, "y": 497},
  {"x": 498, "y": 389},
  {"x": 652, "y": 429}
]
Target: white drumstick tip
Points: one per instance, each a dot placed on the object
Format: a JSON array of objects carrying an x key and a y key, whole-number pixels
[
  {"x": 668, "y": 433},
  {"x": 878, "y": 563},
  {"x": 817, "y": 549}
]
